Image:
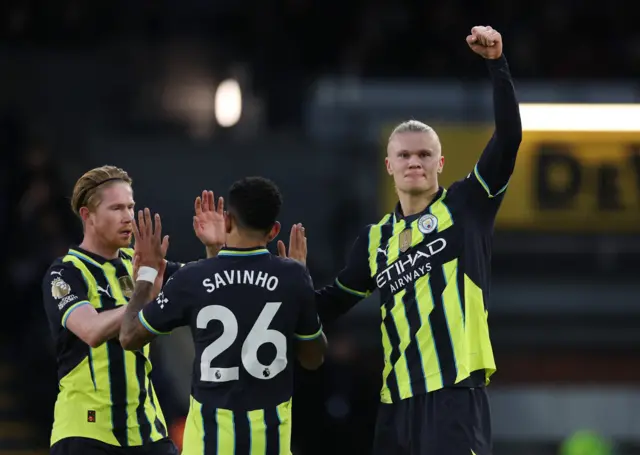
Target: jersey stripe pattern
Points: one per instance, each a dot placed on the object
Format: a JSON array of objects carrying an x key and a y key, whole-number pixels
[
  {"x": 108, "y": 395},
  {"x": 217, "y": 431},
  {"x": 434, "y": 321}
]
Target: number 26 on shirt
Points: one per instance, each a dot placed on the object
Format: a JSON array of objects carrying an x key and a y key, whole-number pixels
[{"x": 260, "y": 334}]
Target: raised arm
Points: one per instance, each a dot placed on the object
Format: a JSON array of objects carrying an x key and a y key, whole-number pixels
[
  {"x": 136, "y": 330},
  {"x": 496, "y": 164}
]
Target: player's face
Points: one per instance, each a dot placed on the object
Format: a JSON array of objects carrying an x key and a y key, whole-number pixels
[
  {"x": 112, "y": 220},
  {"x": 414, "y": 159}
]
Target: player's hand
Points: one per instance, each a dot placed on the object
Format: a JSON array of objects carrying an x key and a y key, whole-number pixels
[
  {"x": 149, "y": 241},
  {"x": 157, "y": 285},
  {"x": 208, "y": 222},
  {"x": 297, "y": 245},
  {"x": 136, "y": 256},
  {"x": 485, "y": 41}
]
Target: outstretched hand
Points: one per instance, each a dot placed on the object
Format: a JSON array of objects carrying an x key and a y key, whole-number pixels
[
  {"x": 486, "y": 42},
  {"x": 297, "y": 245},
  {"x": 148, "y": 249},
  {"x": 208, "y": 222}
]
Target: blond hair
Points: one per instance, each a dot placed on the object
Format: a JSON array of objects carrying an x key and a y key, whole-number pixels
[
  {"x": 86, "y": 191},
  {"x": 411, "y": 126}
]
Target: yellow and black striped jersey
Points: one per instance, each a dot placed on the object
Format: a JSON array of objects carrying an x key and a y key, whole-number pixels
[
  {"x": 104, "y": 392},
  {"x": 432, "y": 270}
]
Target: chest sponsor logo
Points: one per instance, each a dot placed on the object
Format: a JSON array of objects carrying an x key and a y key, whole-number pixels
[{"x": 410, "y": 267}]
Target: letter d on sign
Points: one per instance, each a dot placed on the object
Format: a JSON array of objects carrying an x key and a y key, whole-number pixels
[{"x": 552, "y": 159}]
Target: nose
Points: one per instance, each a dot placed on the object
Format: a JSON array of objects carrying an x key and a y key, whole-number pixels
[{"x": 414, "y": 163}]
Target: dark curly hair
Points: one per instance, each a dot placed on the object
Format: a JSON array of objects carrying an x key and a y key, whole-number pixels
[{"x": 255, "y": 203}]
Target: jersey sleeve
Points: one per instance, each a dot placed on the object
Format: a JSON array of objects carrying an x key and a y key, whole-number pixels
[
  {"x": 308, "y": 326},
  {"x": 354, "y": 282},
  {"x": 169, "y": 310},
  {"x": 63, "y": 291},
  {"x": 490, "y": 177}
]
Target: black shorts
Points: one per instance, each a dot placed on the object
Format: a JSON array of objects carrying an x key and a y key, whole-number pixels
[
  {"x": 450, "y": 421},
  {"x": 86, "y": 446}
]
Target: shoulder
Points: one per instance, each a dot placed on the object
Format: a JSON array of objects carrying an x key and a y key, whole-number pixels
[
  {"x": 192, "y": 271},
  {"x": 61, "y": 280},
  {"x": 62, "y": 269},
  {"x": 458, "y": 187},
  {"x": 460, "y": 191},
  {"x": 288, "y": 265}
]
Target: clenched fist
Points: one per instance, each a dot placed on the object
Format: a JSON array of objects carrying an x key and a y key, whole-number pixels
[{"x": 485, "y": 41}]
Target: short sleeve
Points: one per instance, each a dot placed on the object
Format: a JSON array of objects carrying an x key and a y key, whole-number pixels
[
  {"x": 63, "y": 290},
  {"x": 308, "y": 326},
  {"x": 169, "y": 310}
]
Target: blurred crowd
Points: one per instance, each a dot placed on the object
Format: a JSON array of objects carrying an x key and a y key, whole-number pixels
[
  {"x": 37, "y": 226},
  {"x": 378, "y": 38}
]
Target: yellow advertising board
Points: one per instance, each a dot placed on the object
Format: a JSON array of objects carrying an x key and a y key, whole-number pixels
[{"x": 563, "y": 181}]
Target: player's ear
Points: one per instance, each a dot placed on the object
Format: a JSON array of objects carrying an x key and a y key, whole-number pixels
[
  {"x": 388, "y": 165},
  {"x": 440, "y": 164},
  {"x": 275, "y": 230},
  {"x": 84, "y": 214},
  {"x": 227, "y": 222}
]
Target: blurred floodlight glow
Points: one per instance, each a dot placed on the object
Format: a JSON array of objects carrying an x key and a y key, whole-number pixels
[
  {"x": 580, "y": 117},
  {"x": 228, "y": 103}
]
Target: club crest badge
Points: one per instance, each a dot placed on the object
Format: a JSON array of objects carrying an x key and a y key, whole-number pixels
[
  {"x": 405, "y": 240},
  {"x": 427, "y": 223}
]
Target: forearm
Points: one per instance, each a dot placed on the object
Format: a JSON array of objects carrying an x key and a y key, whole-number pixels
[
  {"x": 107, "y": 325},
  {"x": 132, "y": 334},
  {"x": 497, "y": 161},
  {"x": 333, "y": 301},
  {"x": 508, "y": 126}
]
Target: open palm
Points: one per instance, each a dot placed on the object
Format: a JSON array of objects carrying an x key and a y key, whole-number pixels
[{"x": 208, "y": 222}]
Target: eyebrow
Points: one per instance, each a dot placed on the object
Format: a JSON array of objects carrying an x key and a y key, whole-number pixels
[
  {"x": 116, "y": 204},
  {"x": 415, "y": 151}
]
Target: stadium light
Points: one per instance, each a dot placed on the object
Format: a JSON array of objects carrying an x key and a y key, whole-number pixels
[
  {"x": 228, "y": 103},
  {"x": 580, "y": 117}
]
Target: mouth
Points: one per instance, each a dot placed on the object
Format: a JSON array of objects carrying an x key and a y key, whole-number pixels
[{"x": 126, "y": 233}]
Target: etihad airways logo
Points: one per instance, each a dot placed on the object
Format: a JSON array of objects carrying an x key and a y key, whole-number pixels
[{"x": 410, "y": 267}]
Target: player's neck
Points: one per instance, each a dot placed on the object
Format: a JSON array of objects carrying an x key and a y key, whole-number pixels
[
  {"x": 235, "y": 240},
  {"x": 94, "y": 246},
  {"x": 412, "y": 204}
]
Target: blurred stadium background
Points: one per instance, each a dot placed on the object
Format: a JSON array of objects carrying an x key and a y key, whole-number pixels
[{"x": 192, "y": 94}]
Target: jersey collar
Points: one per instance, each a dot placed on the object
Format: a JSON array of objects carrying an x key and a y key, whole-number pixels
[
  {"x": 90, "y": 257},
  {"x": 236, "y": 252},
  {"x": 398, "y": 215}
]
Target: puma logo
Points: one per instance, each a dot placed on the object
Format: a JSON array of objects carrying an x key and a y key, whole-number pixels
[
  {"x": 104, "y": 291},
  {"x": 57, "y": 272},
  {"x": 380, "y": 250}
]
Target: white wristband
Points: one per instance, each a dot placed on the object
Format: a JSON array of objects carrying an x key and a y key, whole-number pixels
[{"x": 147, "y": 274}]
